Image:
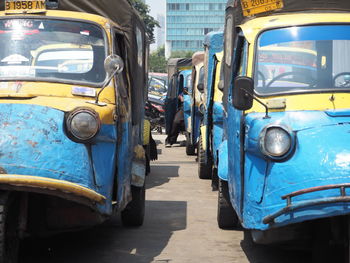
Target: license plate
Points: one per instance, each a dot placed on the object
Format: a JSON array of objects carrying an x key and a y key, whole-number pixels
[
  {"x": 24, "y": 6},
  {"x": 252, "y": 7}
]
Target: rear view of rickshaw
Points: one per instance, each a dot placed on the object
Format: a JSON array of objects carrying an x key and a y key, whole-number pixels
[
  {"x": 212, "y": 113},
  {"x": 284, "y": 165},
  {"x": 177, "y": 81},
  {"x": 72, "y": 129},
  {"x": 198, "y": 98}
]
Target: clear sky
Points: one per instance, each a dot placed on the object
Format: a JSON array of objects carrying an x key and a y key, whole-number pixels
[{"x": 157, "y": 7}]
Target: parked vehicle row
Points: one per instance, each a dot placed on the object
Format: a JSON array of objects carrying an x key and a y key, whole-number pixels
[
  {"x": 274, "y": 113},
  {"x": 74, "y": 142}
]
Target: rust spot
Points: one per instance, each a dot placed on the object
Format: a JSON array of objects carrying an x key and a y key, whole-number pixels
[{"x": 33, "y": 144}]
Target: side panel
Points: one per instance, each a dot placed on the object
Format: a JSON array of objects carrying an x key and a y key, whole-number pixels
[{"x": 235, "y": 175}]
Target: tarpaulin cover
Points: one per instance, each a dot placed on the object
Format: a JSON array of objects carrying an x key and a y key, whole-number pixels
[
  {"x": 197, "y": 58},
  {"x": 175, "y": 63}
]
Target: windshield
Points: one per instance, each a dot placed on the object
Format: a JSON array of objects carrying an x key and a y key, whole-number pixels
[
  {"x": 51, "y": 50},
  {"x": 303, "y": 59},
  {"x": 157, "y": 86}
]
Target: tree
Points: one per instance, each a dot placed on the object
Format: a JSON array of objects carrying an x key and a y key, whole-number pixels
[
  {"x": 181, "y": 54},
  {"x": 149, "y": 21},
  {"x": 157, "y": 61}
]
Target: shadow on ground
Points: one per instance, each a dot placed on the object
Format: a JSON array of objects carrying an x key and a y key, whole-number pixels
[
  {"x": 161, "y": 174},
  {"x": 272, "y": 254},
  {"x": 111, "y": 242}
]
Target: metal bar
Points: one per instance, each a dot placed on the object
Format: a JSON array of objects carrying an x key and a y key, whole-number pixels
[
  {"x": 315, "y": 189},
  {"x": 270, "y": 218}
]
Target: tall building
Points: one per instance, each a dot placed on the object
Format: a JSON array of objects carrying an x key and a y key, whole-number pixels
[
  {"x": 188, "y": 21},
  {"x": 160, "y": 31}
]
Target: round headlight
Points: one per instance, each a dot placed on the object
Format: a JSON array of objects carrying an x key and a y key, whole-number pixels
[
  {"x": 83, "y": 124},
  {"x": 275, "y": 142}
]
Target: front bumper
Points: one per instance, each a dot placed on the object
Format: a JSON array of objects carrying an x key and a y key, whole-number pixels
[
  {"x": 60, "y": 188},
  {"x": 290, "y": 207}
]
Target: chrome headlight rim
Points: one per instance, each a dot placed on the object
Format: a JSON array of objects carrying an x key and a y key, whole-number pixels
[
  {"x": 74, "y": 136},
  {"x": 286, "y": 153}
]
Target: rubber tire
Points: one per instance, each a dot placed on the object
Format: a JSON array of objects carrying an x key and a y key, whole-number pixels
[
  {"x": 226, "y": 216},
  {"x": 214, "y": 179},
  {"x": 9, "y": 232},
  {"x": 204, "y": 169},
  {"x": 190, "y": 149},
  {"x": 134, "y": 213}
]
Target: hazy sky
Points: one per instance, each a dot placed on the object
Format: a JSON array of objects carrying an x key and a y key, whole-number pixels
[{"x": 157, "y": 7}]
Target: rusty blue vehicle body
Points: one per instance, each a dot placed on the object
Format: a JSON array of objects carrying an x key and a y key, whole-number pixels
[
  {"x": 74, "y": 143},
  {"x": 186, "y": 77},
  {"x": 211, "y": 125},
  {"x": 284, "y": 164},
  {"x": 197, "y": 107},
  {"x": 177, "y": 80}
]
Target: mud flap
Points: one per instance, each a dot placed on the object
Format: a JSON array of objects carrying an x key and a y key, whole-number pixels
[
  {"x": 204, "y": 137},
  {"x": 138, "y": 168}
]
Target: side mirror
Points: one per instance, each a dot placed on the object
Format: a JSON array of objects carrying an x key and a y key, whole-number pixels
[
  {"x": 242, "y": 94},
  {"x": 113, "y": 64},
  {"x": 200, "y": 87}
]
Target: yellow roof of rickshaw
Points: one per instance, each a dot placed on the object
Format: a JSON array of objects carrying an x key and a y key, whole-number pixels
[{"x": 255, "y": 25}]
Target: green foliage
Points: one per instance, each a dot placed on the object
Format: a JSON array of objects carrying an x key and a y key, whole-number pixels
[
  {"x": 149, "y": 21},
  {"x": 181, "y": 54},
  {"x": 157, "y": 61}
]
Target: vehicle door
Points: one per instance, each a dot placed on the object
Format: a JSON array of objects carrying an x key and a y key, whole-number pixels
[{"x": 235, "y": 127}]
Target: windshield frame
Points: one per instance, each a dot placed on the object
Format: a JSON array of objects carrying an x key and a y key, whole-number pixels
[
  {"x": 293, "y": 92},
  {"x": 56, "y": 80}
]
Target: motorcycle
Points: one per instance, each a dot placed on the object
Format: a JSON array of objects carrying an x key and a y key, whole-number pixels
[{"x": 154, "y": 111}]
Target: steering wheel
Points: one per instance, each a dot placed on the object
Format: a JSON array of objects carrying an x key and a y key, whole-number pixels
[
  {"x": 291, "y": 73},
  {"x": 346, "y": 81}
]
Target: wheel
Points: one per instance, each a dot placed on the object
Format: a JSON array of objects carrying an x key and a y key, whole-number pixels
[
  {"x": 204, "y": 168},
  {"x": 9, "y": 224},
  {"x": 134, "y": 212},
  {"x": 227, "y": 217},
  {"x": 190, "y": 149},
  {"x": 214, "y": 180},
  {"x": 347, "y": 240}
]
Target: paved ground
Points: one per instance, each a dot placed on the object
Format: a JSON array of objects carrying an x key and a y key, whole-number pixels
[{"x": 180, "y": 227}]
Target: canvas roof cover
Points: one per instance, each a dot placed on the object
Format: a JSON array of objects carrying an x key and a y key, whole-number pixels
[
  {"x": 175, "y": 63},
  {"x": 197, "y": 58}
]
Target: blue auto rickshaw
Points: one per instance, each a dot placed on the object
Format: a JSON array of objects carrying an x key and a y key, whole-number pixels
[
  {"x": 197, "y": 96},
  {"x": 186, "y": 76},
  {"x": 284, "y": 166},
  {"x": 74, "y": 143},
  {"x": 176, "y": 83},
  {"x": 213, "y": 43}
]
